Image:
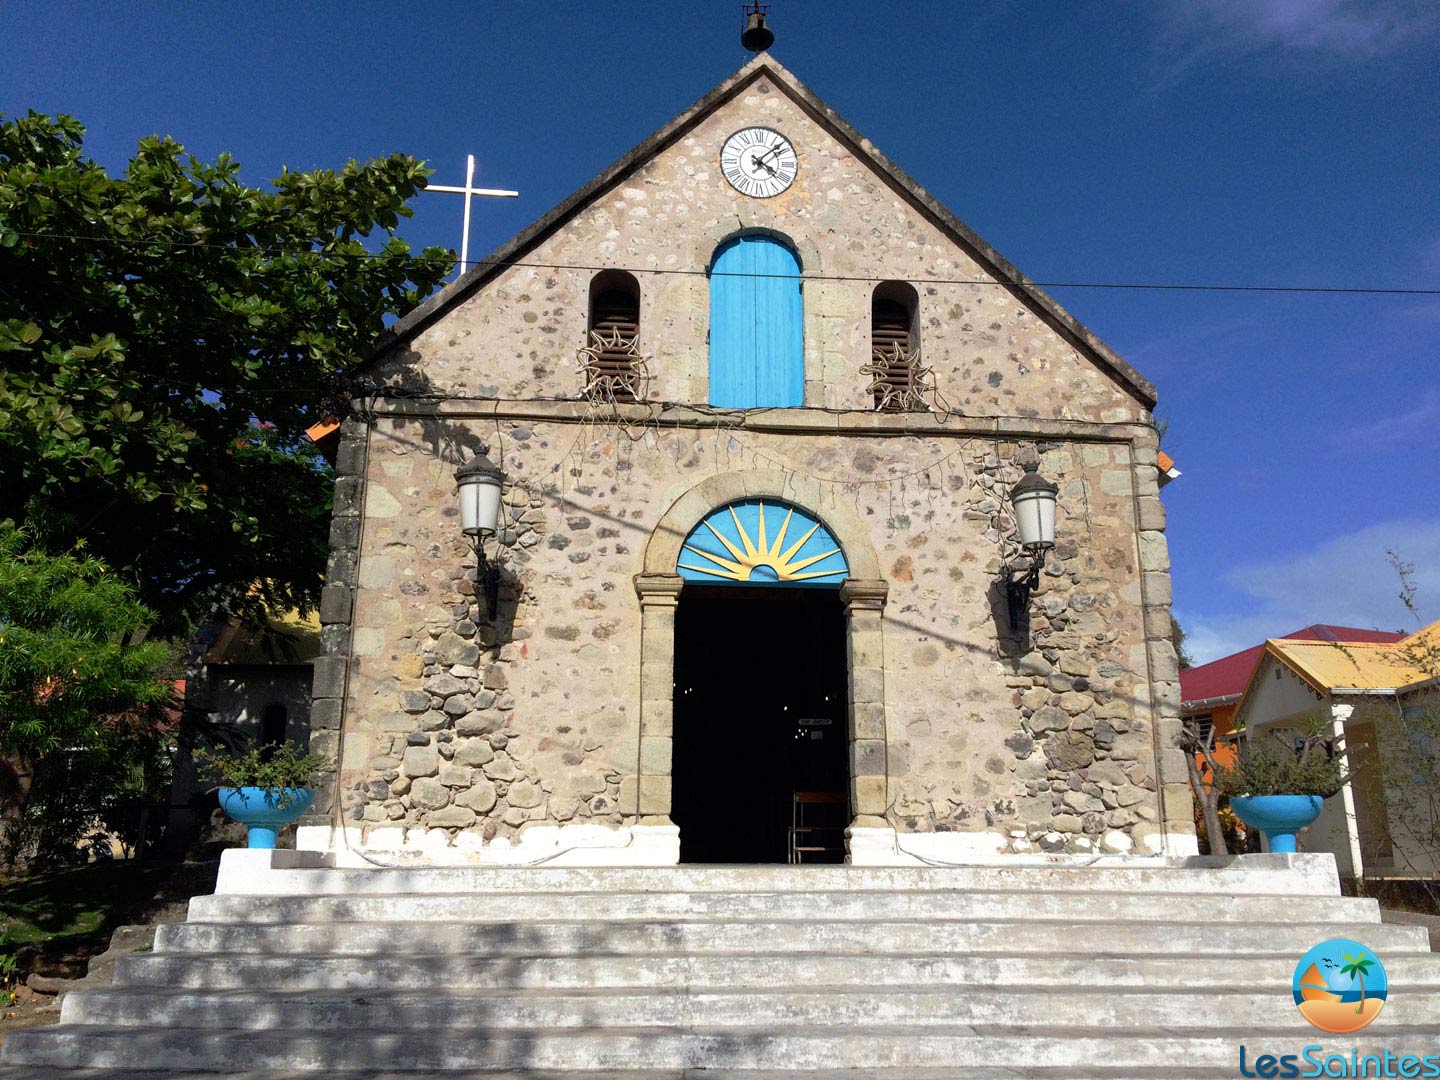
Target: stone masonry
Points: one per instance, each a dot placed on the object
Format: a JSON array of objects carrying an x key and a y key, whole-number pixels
[{"x": 445, "y": 723}]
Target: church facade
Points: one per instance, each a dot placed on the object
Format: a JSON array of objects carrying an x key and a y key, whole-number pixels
[{"x": 757, "y": 402}]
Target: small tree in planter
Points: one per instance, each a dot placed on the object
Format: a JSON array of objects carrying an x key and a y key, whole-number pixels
[
  {"x": 1193, "y": 741},
  {"x": 1279, "y": 785},
  {"x": 264, "y": 788}
]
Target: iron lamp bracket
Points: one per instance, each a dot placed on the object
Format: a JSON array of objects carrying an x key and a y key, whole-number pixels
[
  {"x": 487, "y": 577},
  {"x": 1021, "y": 580}
]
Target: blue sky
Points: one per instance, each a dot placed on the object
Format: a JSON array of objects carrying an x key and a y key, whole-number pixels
[{"x": 1290, "y": 142}]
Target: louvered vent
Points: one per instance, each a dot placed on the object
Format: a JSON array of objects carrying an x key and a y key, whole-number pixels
[
  {"x": 615, "y": 317},
  {"x": 890, "y": 348}
]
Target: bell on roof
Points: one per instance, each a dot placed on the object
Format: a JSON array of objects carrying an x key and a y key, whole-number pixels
[{"x": 756, "y": 36}]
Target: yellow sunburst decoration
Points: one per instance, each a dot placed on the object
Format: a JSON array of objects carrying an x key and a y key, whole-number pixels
[{"x": 750, "y": 556}]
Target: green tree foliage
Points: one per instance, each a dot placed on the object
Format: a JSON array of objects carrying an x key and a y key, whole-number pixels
[
  {"x": 1177, "y": 640},
  {"x": 75, "y": 672},
  {"x": 167, "y": 335},
  {"x": 70, "y": 661}
]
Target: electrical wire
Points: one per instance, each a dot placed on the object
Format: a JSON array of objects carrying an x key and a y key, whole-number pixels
[{"x": 1367, "y": 290}]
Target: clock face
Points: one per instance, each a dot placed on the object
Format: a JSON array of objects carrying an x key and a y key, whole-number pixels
[{"x": 758, "y": 162}]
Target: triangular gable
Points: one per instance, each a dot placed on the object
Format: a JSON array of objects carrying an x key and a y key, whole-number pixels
[
  {"x": 1268, "y": 656},
  {"x": 996, "y": 265}
]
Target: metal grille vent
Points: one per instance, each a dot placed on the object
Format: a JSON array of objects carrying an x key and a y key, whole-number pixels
[
  {"x": 612, "y": 365},
  {"x": 890, "y": 354},
  {"x": 616, "y": 318}
]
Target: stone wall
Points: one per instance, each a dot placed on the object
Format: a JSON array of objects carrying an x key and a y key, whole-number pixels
[{"x": 455, "y": 723}]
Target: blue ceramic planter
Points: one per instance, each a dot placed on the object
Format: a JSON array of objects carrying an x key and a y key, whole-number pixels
[
  {"x": 262, "y": 811},
  {"x": 1279, "y": 817}
]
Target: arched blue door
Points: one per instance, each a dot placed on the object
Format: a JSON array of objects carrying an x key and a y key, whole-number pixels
[{"x": 757, "y": 342}]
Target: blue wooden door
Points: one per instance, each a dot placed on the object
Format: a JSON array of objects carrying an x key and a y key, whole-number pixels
[{"x": 757, "y": 341}]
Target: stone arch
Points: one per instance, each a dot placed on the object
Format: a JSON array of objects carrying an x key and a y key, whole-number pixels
[
  {"x": 863, "y": 595},
  {"x": 662, "y": 550},
  {"x": 706, "y": 241}
]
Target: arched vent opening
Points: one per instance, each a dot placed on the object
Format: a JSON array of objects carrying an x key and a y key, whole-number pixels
[
  {"x": 894, "y": 346},
  {"x": 611, "y": 362},
  {"x": 764, "y": 542}
]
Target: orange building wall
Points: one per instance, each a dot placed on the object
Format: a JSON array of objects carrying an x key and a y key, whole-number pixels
[{"x": 1223, "y": 750}]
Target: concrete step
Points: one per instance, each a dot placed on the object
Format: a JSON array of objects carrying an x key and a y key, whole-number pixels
[
  {"x": 1150, "y": 971},
  {"x": 437, "y": 1009},
  {"x": 1260, "y": 874},
  {"x": 419, "y": 971},
  {"x": 832, "y": 905},
  {"x": 760, "y": 1047},
  {"x": 100, "y": 970},
  {"x": 1431, "y": 923},
  {"x": 960, "y": 1072},
  {"x": 1053, "y": 937}
]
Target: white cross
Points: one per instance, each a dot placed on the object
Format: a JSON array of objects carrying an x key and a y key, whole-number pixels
[{"x": 468, "y": 190}]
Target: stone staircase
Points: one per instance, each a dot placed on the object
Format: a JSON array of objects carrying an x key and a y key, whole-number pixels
[{"x": 1067, "y": 971}]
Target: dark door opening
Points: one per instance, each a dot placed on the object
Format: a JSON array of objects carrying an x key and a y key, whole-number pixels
[{"x": 761, "y": 733}]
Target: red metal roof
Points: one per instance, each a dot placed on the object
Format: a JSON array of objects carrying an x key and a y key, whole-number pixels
[{"x": 1228, "y": 676}]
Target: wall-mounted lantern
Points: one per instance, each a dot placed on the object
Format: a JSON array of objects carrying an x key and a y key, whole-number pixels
[
  {"x": 478, "y": 485},
  {"x": 1033, "y": 499}
]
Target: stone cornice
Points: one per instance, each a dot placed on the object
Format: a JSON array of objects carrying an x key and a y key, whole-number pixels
[
  {"x": 780, "y": 421},
  {"x": 661, "y": 589}
]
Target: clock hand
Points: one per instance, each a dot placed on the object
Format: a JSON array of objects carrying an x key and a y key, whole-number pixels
[{"x": 760, "y": 163}]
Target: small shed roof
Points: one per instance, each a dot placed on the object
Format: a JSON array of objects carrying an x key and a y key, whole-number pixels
[
  {"x": 1223, "y": 681},
  {"x": 1362, "y": 666}
]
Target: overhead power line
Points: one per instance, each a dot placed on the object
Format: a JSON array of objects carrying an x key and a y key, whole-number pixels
[{"x": 1153, "y": 286}]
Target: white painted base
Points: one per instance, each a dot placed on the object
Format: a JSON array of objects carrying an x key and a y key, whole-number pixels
[
  {"x": 659, "y": 845},
  {"x": 538, "y": 845},
  {"x": 886, "y": 847},
  {"x": 1182, "y": 844},
  {"x": 244, "y": 872}
]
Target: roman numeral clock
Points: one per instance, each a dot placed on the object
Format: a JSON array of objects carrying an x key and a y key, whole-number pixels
[{"x": 758, "y": 162}]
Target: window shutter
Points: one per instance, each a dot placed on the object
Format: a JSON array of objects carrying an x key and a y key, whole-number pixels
[{"x": 757, "y": 342}]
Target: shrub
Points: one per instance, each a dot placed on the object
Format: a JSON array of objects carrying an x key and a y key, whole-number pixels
[
  {"x": 279, "y": 770},
  {"x": 1276, "y": 768}
]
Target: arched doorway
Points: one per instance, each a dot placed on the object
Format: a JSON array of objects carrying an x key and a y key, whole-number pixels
[
  {"x": 761, "y": 765},
  {"x": 664, "y": 584}
]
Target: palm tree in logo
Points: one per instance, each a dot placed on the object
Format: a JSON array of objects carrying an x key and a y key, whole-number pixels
[{"x": 1358, "y": 966}]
